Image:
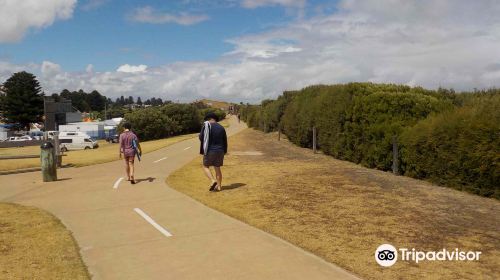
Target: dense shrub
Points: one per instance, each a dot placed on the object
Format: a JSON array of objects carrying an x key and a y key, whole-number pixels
[
  {"x": 251, "y": 115},
  {"x": 186, "y": 117},
  {"x": 374, "y": 119},
  {"x": 357, "y": 121},
  {"x": 164, "y": 121},
  {"x": 459, "y": 148}
]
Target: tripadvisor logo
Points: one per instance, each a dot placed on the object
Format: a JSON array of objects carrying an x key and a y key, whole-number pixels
[{"x": 386, "y": 255}]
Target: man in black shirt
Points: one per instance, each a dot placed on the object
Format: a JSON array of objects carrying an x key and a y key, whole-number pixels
[{"x": 213, "y": 147}]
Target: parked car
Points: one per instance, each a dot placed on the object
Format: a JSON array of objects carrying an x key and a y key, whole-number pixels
[
  {"x": 76, "y": 142},
  {"x": 113, "y": 138},
  {"x": 36, "y": 135},
  {"x": 19, "y": 138}
]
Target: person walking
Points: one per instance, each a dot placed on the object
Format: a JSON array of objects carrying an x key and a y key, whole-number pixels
[
  {"x": 129, "y": 147},
  {"x": 213, "y": 147}
]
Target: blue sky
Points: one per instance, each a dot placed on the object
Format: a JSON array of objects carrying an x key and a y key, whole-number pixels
[
  {"x": 103, "y": 34},
  {"x": 248, "y": 50}
]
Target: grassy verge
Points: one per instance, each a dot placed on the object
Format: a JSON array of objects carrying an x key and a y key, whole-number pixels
[
  {"x": 35, "y": 245},
  {"x": 343, "y": 212},
  {"x": 105, "y": 153}
]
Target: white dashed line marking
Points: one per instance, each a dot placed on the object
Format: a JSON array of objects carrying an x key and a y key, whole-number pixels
[
  {"x": 187, "y": 148},
  {"x": 156, "y": 161},
  {"x": 115, "y": 186},
  {"x": 152, "y": 222}
]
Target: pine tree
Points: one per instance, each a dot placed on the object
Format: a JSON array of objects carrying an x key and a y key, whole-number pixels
[{"x": 23, "y": 102}]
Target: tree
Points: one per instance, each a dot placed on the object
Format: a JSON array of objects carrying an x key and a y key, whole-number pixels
[
  {"x": 23, "y": 102},
  {"x": 130, "y": 100},
  {"x": 2, "y": 101},
  {"x": 66, "y": 94},
  {"x": 56, "y": 97},
  {"x": 96, "y": 100},
  {"x": 139, "y": 101}
]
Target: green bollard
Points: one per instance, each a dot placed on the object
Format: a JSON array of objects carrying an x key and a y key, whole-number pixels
[{"x": 47, "y": 158}]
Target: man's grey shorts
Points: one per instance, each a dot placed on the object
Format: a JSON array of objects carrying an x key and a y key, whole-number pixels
[{"x": 213, "y": 159}]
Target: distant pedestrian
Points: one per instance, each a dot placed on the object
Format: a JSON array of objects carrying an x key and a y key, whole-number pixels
[
  {"x": 213, "y": 147},
  {"x": 129, "y": 147},
  {"x": 238, "y": 115}
]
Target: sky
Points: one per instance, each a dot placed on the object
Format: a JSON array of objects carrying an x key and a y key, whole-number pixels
[{"x": 248, "y": 50}]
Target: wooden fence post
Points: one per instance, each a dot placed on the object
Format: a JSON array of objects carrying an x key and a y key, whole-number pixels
[
  {"x": 395, "y": 155},
  {"x": 314, "y": 139},
  {"x": 47, "y": 160},
  {"x": 57, "y": 150}
]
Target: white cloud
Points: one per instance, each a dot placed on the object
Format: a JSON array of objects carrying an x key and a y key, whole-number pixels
[
  {"x": 255, "y": 48},
  {"x": 50, "y": 69},
  {"x": 6, "y": 69},
  {"x": 149, "y": 15},
  {"x": 126, "y": 68},
  {"x": 448, "y": 43},
  {"x": 17, "y": 17},
  {"x": 261, "y": 3},
  {"x": 89, "y": 68}
]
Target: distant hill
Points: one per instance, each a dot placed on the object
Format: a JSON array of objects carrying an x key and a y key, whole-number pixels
[{"x": 216, "y": 104}]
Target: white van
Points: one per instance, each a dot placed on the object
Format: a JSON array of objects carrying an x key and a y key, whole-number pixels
[
  {"x": 73, "y": 133},
  {"x": 76, "y": 142},
  {"x": 66, "y": 133}
]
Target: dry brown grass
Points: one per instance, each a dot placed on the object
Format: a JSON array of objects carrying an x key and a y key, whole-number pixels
[
  {"x": 105, "y": 153},
  {"x": 35, "y": 245},
  {"x": 343, "y": 212},
  {"x": 215, "y": 103}
]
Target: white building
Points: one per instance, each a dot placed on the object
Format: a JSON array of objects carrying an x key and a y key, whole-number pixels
[
  {"x": 92, "y": 129},
  {"x": 111, "y": 125},
  {"x": 99, "y": 130}
]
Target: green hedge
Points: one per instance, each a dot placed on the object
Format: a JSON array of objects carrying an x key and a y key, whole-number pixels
[
  {"x": 164, "y": 121},
  {"x": 357, "y": 122},
  {"x": 459, "y": 148}
]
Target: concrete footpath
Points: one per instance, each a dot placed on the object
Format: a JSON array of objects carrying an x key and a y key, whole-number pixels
[{"x": 150, "y": 231}]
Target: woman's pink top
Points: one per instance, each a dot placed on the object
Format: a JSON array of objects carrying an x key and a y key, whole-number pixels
[{"x": 126, "y": 146}]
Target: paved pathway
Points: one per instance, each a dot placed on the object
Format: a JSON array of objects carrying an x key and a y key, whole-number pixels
[{"x": 150, "y": 231}]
